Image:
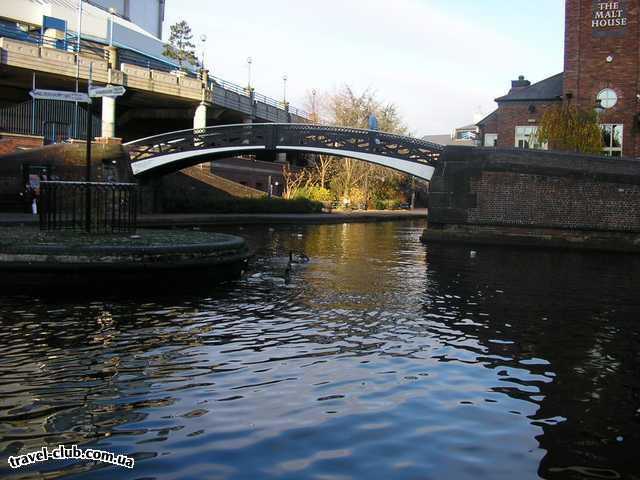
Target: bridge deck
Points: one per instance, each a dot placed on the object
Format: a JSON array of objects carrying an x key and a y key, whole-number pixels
[{"x": 176, "y": 150}]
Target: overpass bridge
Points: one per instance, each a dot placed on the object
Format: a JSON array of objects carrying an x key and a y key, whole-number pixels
[
  {"x": 157, "y": 98},
  {"x": 169, "y": 152}
]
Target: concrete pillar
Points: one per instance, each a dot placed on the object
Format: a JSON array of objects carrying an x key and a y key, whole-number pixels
[
  {"x": 108, "y": 117},
  {"x": 199, "y": 123},
  {"x": 111, "y": 55},
  {"x": 200, "y": 117},
  {"x": 205, "y": 78},
  {"x": 254, "y": 104}
]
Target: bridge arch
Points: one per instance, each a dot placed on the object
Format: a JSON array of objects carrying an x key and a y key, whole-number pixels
[{"x": 173, "y": 151}]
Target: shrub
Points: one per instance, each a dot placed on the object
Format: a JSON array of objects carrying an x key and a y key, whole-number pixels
[
  {"x": 565, "y": 127},
  {"x": 380, "y": 204},
  {"x": 317, "y": 194}
]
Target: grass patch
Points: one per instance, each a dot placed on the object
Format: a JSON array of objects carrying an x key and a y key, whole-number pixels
[{"x": 18, "y": 237}]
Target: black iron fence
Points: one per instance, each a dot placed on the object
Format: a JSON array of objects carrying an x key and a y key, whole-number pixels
[
  {"x": 88, "y": 206},
  {"x": 34, "y": 116}
]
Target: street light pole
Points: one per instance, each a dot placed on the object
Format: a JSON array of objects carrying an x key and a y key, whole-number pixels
[
  {"x": 284, "y": 93},
  {"x": 249, "y": 62},
  {"x": 203, "y": 41},
  {"x": 88, "y": 153},
  {"x": 314, "y": 116},
  {"x": 78, "y": 34},
  {"x": 111, "y": 12}
]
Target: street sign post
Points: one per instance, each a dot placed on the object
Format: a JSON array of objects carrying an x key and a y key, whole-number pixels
[
  {"x": 88, "y": 154},
  {"x": 38, "y": 94},
  {"x": 108, "y": 91}
]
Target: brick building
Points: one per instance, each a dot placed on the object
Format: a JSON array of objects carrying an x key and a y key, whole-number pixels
[{"x": 602, "y": 58}]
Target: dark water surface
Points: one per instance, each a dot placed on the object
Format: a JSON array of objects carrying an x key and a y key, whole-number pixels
[{"x": 380, "y": 359}]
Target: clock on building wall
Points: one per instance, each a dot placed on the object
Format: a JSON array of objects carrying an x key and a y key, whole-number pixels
[{"x": 607, "y": 98}]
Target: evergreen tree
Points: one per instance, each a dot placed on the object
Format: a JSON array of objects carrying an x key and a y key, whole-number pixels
[{"x": 180, "y": 46}]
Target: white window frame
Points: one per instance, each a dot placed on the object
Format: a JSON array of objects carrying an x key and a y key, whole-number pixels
[
  {"x": 611, "y": 150},
  {"x": 523, "y": 136},
  {"x": 490, "y": 139}
]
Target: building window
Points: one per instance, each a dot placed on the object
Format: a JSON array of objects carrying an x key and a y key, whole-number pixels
[
  {"x": 607, "y": 98},
  {"x": 490, "y": 139},
  {"x": 526, "y": 137},
  {"x": 612, "y": 139}
]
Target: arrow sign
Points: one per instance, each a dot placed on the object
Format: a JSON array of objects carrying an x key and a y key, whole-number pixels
[
  {"x": 60, "y": 95},
  {"x": 106, "y": 91}
]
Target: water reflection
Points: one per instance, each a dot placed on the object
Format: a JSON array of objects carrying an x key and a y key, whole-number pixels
[
  {"x": 380, "y": 359},
  {"x": 572, "y": 320}
]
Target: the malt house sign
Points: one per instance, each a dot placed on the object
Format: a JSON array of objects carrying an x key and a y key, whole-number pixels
[{"x": 609, "y": 17}]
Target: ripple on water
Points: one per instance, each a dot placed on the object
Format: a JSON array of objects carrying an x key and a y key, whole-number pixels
[{"x": 381, "y": 359}]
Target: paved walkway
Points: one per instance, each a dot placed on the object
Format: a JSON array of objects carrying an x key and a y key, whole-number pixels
[{"x": 168, "y": 220}]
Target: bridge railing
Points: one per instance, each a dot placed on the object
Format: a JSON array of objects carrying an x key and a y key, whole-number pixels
[
  {"x": 270, "y": 136},
  {"x": 233, "y": 87},
  {"x": 68, "y": 43}
]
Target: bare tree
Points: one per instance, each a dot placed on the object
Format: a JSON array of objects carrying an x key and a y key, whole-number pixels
[{"x": 293, "y": 181}]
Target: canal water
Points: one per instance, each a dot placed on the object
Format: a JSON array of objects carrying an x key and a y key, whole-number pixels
[{"x": 381, "y": 358}]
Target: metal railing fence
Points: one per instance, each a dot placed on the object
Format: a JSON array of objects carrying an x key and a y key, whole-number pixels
[
  {"x": 93, "y": 207},
  {"x": 69, "y": 43},
  {"x": 32, "y": 118}
]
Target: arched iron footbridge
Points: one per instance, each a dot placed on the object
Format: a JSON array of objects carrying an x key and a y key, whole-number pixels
[{"x": 174, "y": 151}]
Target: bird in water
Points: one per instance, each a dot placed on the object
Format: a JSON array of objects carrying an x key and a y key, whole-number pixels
[
  {"x": 294, "y": 258},
  {"x": 298, "y": 258}
]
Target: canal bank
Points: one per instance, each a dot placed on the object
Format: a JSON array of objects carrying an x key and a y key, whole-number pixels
[
  {"x": 229, "y": 219},
  {"x": 533, "y": 238},
  {"x": 535, "y": 198}
]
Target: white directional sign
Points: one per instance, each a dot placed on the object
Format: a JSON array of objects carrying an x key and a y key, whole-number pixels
[
  {"x": 106, "y": 91},
  {"x": 60, "y": 95}
]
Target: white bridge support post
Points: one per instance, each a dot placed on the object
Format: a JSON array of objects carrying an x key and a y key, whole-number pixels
[
  {"x": 200, "y": 117},
  {"x": 200, "y": 122},
  {"x": 108, "y": 117}
]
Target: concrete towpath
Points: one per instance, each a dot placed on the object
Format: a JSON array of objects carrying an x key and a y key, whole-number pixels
[{"x": 189, "y": 219}]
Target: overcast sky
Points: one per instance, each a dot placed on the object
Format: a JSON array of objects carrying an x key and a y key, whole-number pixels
[{"x": 439, "y": 61}]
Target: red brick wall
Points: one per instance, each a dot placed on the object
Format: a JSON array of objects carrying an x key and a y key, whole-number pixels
[
  {"x": 254, "y": 174},
  {"x": 587, "y": 71},
  {"x": 489, "y": 126},
  {"x": 512, "y": 114},
  {"x": 536, "y": 189},
  {"x": 12, "y": 143},
  {"x": 518, "y": 199}
]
